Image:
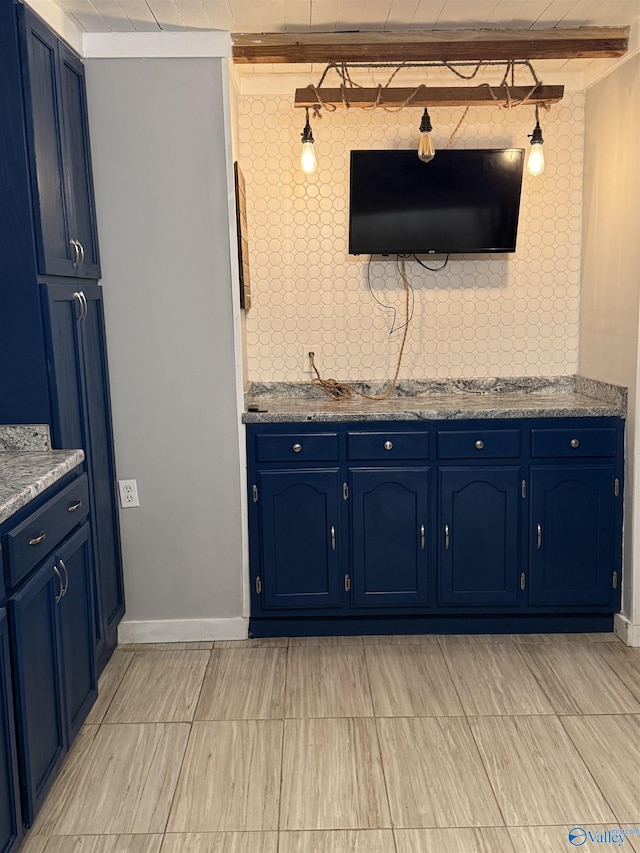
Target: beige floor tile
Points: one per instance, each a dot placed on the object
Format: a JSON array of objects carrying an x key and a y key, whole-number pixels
[
  {"x": 400, "y": 639},
  {"x": 97, "y": 844},
  {"x": 230, "y": 778},
  {"x": 536, "y": 772},
  {"x": 494, "y": 679},
  {"x": 604, "y": 638},
  {"x": 434, "y": 774},
  {"x": 122, "y": 783},
  {"x": 338, "y": 841},
  {"x": 263, "y": 643},
  {"x": 411, "y": 681},
  {"x": 624, "y": 662},
  {"x": 34, "y": 844},
  {"x": 610, "y": 747},
  {"x": 326, "y": 641},
  {"x": 327, "y": 681},
  {"x": 332, "y": 776},
  {"x": 576, "y": 680},
  {"x": 483, "y": 639},
  {"x": 486, "y": 840},
  {"x": 555, "y": 839},
  {"x": 244, "y": 684},
  {"x": 159, "y": 687},
  {"x": 526, "y": 639},
  {"x": 108, "y": 683},
  {"x": 221, "y": 842},
  {"x": 632, "y": 836}
]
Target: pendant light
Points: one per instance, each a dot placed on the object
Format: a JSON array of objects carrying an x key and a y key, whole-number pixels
[
  {"x": 426, "y": 151},
  {"x": 308, "y": 162},
  {"x": 535, "y": 163}
]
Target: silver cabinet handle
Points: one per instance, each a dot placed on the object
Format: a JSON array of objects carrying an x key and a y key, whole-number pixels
[
  {"x": 574, "y": 443},
  {"x": 479, "y": 444},
  {"x": 388, "y": 445},
  {"x": 81, "y": 252},
  {"x": 76, "y": 253},
  {"x": 66, "y": 576},
  {"x": 38, "y": 539},
  {"x": 86, "y": 305},
  {"x": 74, "y": 507},
  {"x": 297, "y": 448},
  {"x": 333, "y": 538},
  {"x": 422, "y": 536},
  {"x": 446, "y": 536},
  {"x": 539, "y": 536},
  {"x": 59, "y": 576},
  {"x": 78, "y": 296}
]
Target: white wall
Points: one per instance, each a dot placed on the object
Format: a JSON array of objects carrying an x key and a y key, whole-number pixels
[
  {"x": 610, "y": 295},
  {"x": 159, "y": 137}
]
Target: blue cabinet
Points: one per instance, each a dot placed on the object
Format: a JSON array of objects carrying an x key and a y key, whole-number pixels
[
  {"x": 480, "y": 535},
  {"x": 300, "y": 539},
  {"x": 10, "y": 816},
  {"x": 60, "y": 160},
  {"x": 390, "y": 536},
  {"x": 82, "y": 418},
  {"x": 573, "y": 535}
]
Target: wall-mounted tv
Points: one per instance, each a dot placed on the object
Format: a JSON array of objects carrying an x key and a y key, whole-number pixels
[{"x": 462, "y": 201}]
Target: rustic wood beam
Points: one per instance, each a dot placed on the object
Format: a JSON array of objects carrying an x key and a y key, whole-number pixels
[
  {"x": 428, "y": 96},
  {"x": 432, "y": 45}
]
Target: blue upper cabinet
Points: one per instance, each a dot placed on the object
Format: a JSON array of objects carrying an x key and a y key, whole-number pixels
[{"x": 60, "y": 160}]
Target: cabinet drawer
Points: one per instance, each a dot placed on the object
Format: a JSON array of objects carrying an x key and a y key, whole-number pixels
[
  {"x": 476, "y": 444},
  {"x": 573, "y": 442},
  {"x": 28, "y": 543},
  {"x": 297, "y": 448},
  {"x": 388, "y": 445}
]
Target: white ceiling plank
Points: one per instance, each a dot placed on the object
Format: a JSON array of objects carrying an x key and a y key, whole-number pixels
[
  {"x": 246, "y": 16},
  {"x": 553, "y": 14},
  {"x": 324, "y": 15},
  {"x": 272, "y": 16},
  {"x": 374, "y": 15},
  {"x": 611, "y": 12},
  {"x": 427, "y": 14},
  {"x": 458, "y": 14},
  {"x": 140, "y": 15},
  {"x": 219, "y": 14},
  {"x": 114, "y": 16},
  {"x": 193, "y": 14},
  {"x": 166, "y": 14},
  {"x": 401, "y": 14},
  {"x": 519, "y": 14},
  {"x": 87, "y": 15},
  {"x": 297, "y": 16},
  {"x": 349, "y": 15}
]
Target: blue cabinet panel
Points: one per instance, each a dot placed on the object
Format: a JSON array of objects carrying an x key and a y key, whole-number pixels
[
  {"x": 479, "y": 535},
  {"x": 575, "y": 442},
  {"x": 389, "y": 540},
  {"x": 10, "y": 818},
  {"x": 300, "y": 538},
  {"x": 38, "y": 679},
  {"x": 572, "y": 534}
]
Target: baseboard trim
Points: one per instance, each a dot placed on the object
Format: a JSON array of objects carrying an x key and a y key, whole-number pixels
[
  {"x": 627, "y": 631},
  {"x": 183, "y": 630}
]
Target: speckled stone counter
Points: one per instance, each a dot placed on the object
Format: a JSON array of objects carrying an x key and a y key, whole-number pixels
[
  {"x": 522, "y": 397},
  {"x": 24, "y": 437},
  {"x": 26, "y": 474}
]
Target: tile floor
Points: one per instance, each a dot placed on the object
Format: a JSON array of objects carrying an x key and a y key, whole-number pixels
[{"x": 456, "y": 744}]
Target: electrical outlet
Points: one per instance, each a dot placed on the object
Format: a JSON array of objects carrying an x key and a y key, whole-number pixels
[
  {"x": 128, "y": 493},
  {"x": 307, "y": 369}
]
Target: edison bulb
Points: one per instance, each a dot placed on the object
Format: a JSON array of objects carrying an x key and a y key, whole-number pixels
[
  {"x": 426, "y": 151},
  {"x": 535, "y": 163},
  {"x": 308, "y": 162}
]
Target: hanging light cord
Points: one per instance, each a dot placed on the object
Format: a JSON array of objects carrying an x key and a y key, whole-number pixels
[{"x": 345, "y": 390}]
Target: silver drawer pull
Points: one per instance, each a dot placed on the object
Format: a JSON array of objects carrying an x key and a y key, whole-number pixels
[
  {"x": 297, "y": 448},
  {"x": 422, "y": 537},
  {"x": 479, "y": 444},
  {"x": 333, "y": 538},
  {"x": 446, "y": 536},
  {"x": 38, "y": 539},
  {"x": 539, "y": 536},
  {"x": 574, "y": 443},
  {"x": 59, "y": 576},
  {"x": 66, "y": 576},
  {"x": 74, "y": 507},
  {"x": 388, "y": 445}
]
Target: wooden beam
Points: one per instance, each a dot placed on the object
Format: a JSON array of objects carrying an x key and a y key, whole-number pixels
[
  {"x": 428, "y": 96},
  {"x": 432, "y": 45}
]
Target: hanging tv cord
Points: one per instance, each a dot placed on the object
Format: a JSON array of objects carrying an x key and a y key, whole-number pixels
[{"x": 431, "y": 269}]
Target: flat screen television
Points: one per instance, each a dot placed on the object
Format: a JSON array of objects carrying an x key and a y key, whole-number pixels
[{"x": 462, "y": 201}]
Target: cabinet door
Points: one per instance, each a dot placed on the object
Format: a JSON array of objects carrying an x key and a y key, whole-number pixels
[
  {"x": 10, "y": 820},
  {"x": 389, "y": 536},
  {"x": 78, "y": 162},
  {"x": 39, "y": 48},
  {"x": 300, "y": 538},
  {"x": 38, "y": 681},
  {"x": 82, "y": 418},
  {"x": 479, "y": 536},
  {"x": 572, "y": 538},
  {"x": 75, "y": 559}
]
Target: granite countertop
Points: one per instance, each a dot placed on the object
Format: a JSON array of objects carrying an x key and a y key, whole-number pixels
[
  {"x": 25, "y": 474},
  {"x": 522, "y": 397}
]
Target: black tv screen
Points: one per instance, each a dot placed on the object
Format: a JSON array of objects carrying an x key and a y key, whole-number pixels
[{"x": 462, "y": 201}]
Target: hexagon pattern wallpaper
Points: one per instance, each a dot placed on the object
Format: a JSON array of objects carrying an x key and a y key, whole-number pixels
[{"x": 481, "y": 316}]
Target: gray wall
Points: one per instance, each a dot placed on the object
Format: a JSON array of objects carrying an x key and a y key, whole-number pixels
[
  {"x": 610, "y": 290},
  {"x": 160, "y": 164}
]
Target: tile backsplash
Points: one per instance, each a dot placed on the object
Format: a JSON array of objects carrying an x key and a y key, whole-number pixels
[{"x": 483, "y": 315}]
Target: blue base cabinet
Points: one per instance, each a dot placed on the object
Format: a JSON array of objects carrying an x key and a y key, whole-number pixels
[
  {"x": 479, "y": 526},
  {"x": 10, "y": 816}
]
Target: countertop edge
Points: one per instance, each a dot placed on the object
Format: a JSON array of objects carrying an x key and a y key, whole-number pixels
[{"x": 61, "y": 462}]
